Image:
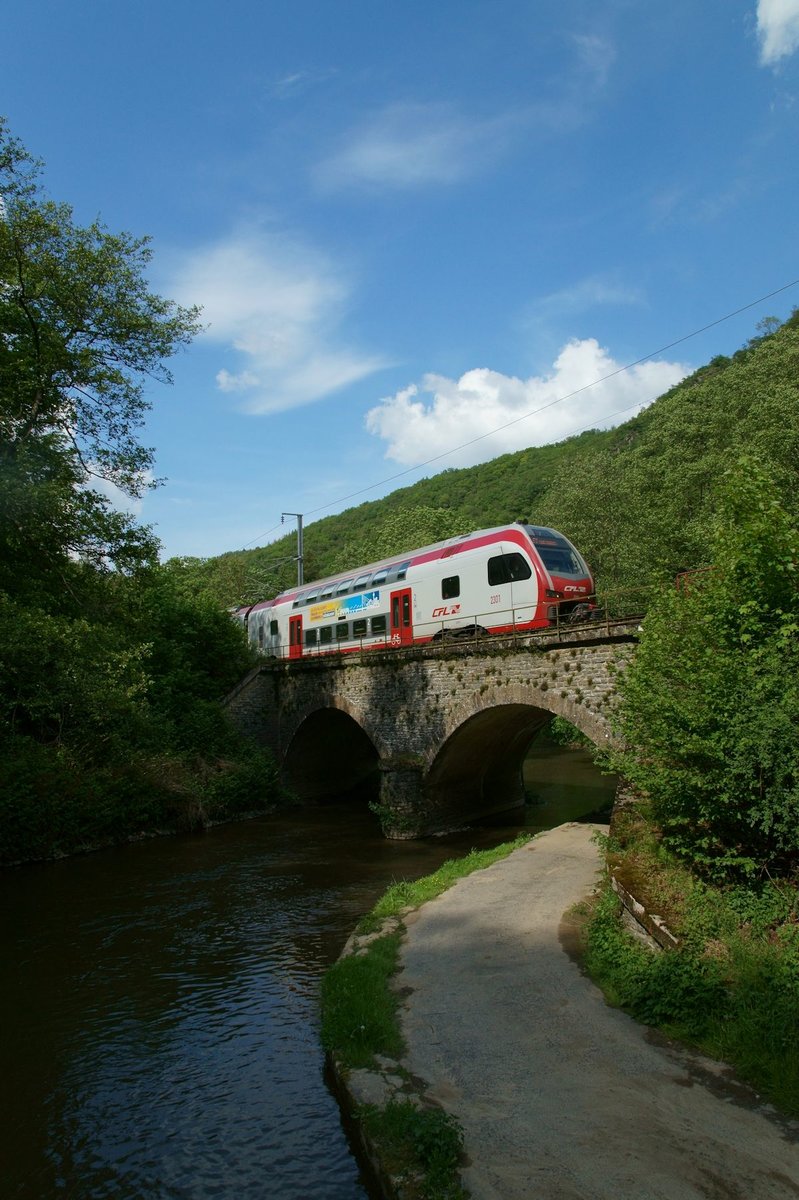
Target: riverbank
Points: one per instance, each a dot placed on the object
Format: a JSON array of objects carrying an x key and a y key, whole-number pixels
[{"x": 558, "y": 1095}]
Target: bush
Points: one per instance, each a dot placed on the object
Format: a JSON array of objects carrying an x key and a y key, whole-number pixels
[
  {"x": 709, "y": 708},
  {"x": 731, "y": 988},
  {"x": 425, "y": 1140}
]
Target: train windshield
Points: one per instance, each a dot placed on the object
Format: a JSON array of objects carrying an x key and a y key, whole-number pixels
[{"x": 558, "y": 556}]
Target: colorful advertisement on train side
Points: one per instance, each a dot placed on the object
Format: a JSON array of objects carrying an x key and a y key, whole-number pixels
[{"x": 346, "y": 608}]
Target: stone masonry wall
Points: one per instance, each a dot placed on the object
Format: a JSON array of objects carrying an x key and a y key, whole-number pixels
[{"x": 410, "y": 704}]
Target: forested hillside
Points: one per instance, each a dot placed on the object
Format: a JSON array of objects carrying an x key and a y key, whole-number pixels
[{"x": 637, "y": 500}]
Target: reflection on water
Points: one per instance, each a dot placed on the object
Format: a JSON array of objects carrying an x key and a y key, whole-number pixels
[
  {"x": 158, "y": 1015},
  {"x": 563, "y": 785}
]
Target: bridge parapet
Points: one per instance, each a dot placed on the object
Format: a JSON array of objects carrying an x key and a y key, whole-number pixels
[{"x": 441, "y": 732}]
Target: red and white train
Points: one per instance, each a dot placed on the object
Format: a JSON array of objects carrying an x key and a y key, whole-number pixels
[
  {"x": 492, "y": 581},
  {"x": 514, "y": 577}
]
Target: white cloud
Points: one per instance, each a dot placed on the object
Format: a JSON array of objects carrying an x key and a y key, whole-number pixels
[
  {"x": 119, "y": 500},
  {"x": 778, "y": 29},
  {"x": 243, "y": 382},
  {"x": 300, "y": 81},
  {"x": 596, "y": 56},
  {"x": 410, "y": 145},
  {"x": 589, "y": 293},
  {"x": 423, "y": 421},
  {"x": 277, "y": 306},
  {"x": 685, "y": 204}
]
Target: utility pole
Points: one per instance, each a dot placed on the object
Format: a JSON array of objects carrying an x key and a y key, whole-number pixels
[{"x": 300, "y": 573}]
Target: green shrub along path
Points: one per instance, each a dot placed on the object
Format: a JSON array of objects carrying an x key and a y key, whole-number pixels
[{"x": 732, "y": 986}]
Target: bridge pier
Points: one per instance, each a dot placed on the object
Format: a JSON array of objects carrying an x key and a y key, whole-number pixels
[{"x": 402, "y": 807}]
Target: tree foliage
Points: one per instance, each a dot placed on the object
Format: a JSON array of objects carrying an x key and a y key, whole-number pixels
[
  {"x": 642, "y": 509},
  {"x": 80, "y": 331},
  {"x": 402, "y": 529},
  {"x": 710, "y": 704},
  {"x": 80, "y": 336},
  {"x": 110, "y": 677}
]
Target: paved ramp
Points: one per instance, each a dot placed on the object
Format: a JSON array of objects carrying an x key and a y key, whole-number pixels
[{"x": 560, "y": 1096}]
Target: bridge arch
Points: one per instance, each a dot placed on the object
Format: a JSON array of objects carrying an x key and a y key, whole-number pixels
[
  {"x": 477, "y": 769},
  {"x": 328, "y": 753},
  {"x": 546, "y": 700},
  {"x": 407, "y": 717}
]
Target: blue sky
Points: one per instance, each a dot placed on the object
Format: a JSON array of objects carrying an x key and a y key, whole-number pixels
[{"x": 411, "y": 224}]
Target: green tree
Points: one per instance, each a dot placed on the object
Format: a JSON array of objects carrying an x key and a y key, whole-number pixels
[
  {"x": 80, "y": 335},
  {"x": 710, "y": 705},
  {"x": 404, "y": 529},
  {"x": 642, "y": 507},
  {"x": 110, "y": 676}
]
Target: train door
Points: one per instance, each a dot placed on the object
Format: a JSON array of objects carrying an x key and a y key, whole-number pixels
[
  {"x": 295, "y": 637},
  {"x": 524, "y": 592},
  {"x": 400, "y": 621}
]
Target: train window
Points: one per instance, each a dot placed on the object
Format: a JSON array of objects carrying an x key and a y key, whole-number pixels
[
  {"x": 379, "y": 576},
  {"x": 379, "y": 624},
  {"x": 260, "y": 634},
  {"x": 557, "y": 553},
  {"x": 508, "y": 568},
  {"x": 299, "y": 600},
  {"x": 497, "y": 570},
  {"x": 343, "y": 587},
  {"x": 361, "y": 582},
  {"x": 327, "y": 592},
  {"x": 310, "y": 597},
  {"x": 359, "y": 627},
  {"x": 326, "y": 635},
  {"x": 450, "y": 587},
  {"x": 561, "y": 559},
  {"x": 518, "y": 567},
  {"x": 310, "y": 637},
  {"x": 342, "y": 631},
  {"x": 402, "y": 570},
  {"x": 273, "y": 628}
]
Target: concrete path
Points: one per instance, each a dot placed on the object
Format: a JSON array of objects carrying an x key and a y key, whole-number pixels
[{"x": 560, "y": 1096}]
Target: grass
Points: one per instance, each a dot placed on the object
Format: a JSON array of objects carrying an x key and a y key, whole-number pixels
[
  {"x": 423, "y": 1146},
  {"x": 402, "y": 895},
  {"x": 732, "y": 987},
  {"x": 359, "y": 1006}
]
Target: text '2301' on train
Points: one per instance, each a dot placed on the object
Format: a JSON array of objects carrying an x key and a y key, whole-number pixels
[{"x": 516, "y": 577}]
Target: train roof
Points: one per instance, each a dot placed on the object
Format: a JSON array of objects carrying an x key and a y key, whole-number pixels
[{"x": 411, "y": 557}]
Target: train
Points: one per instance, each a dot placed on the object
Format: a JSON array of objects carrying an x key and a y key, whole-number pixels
[{"x": 515, "y": 577}]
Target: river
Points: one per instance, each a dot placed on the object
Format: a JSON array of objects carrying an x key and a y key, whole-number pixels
[{"x": 159, "y": 1005}]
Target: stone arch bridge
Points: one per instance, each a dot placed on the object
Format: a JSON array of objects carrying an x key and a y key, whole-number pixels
[{"x": 437, "y": 736}]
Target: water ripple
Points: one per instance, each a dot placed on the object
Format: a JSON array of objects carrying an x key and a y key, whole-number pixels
[{"x": 159, "y": 1028}]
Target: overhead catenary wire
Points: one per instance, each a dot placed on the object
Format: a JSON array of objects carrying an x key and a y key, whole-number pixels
[
  {"x": 293, "y": 557},
  {"x": 542, "y": 408}
]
